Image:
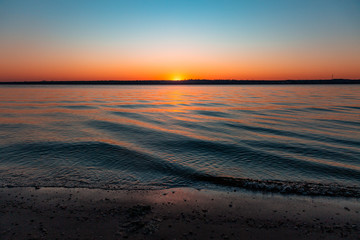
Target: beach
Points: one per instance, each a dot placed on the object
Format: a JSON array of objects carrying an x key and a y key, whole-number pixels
[{"x": 176, "y": 213}]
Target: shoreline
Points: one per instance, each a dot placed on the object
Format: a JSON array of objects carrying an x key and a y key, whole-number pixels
[
  {"x": 186, "y": 82},
  {"x": 177, "y": 213}
]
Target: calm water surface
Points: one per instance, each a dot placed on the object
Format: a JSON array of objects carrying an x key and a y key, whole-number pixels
[{"x": 170, "y": 136}]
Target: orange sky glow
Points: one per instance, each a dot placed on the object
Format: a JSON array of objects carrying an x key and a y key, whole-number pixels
[{"x": 177, "y": 41}]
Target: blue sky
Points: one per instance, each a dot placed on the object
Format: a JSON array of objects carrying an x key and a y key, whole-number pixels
[{"x": 204, "y": 39}]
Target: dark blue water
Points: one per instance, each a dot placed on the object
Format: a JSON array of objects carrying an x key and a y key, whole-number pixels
[{"x": 299, "y": 139}]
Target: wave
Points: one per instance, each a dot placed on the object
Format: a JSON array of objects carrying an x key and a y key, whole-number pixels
[
  {"x": 75, "y": 107},
  {"x": 212, "y": 113},
  {"x": 109, "y": 166},
  {"x": 287, "y": 141},
  {"x": 279, "y": 132},
  {"x": 286, "y": 187}
]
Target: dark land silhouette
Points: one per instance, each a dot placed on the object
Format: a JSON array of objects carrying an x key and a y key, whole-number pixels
[{"x": 189, "y": 82}]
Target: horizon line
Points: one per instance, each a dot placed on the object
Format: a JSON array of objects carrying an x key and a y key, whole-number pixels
[{"x": 188, "y": 81}]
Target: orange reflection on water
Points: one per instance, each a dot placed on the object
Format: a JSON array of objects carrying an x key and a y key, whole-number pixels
[
  {"x": 162, "y": 108},
  {"x": 212, "y": 129}
]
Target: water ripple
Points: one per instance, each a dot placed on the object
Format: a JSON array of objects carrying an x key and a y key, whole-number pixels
[{"x": 287, "y": 139}]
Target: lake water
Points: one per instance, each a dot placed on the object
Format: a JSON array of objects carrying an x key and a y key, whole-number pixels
[{"x": 296, "y": 139}]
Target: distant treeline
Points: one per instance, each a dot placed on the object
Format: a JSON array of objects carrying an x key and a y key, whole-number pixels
[{"x": 190, "y": 82}]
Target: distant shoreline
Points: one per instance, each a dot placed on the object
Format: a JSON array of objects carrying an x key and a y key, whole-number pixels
[{"x": 188, "y": 82}]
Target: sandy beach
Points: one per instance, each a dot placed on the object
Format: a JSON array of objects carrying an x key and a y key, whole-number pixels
[{"x": 178, "y": 213}]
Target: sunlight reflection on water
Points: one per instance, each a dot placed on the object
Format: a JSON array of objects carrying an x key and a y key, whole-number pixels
[{"x": 169, "y": 135}]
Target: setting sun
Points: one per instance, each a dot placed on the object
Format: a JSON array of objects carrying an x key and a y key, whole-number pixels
[{"x": 177, "y": 78}]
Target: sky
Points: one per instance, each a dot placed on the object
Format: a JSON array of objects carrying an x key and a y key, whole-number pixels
[{"x": 179, "y": 39}]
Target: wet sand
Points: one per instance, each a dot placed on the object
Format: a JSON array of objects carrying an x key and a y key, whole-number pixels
[{"x": 181, "y": 213}]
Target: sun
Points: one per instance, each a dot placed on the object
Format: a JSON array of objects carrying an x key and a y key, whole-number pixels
[{"x": 177, "y": 78}]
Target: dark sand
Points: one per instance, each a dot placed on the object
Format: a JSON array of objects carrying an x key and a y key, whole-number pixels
[{"x": 61, "y": 213}]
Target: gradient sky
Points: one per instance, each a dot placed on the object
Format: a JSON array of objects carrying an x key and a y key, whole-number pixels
[{"x": 164, "y": 39}]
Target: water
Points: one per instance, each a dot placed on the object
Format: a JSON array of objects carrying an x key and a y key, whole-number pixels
[{"x": 299, "y": 138}]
